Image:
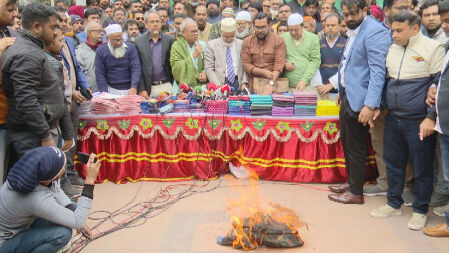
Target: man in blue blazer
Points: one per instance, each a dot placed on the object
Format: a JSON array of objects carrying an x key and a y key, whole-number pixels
[
  {"x": 360, "y": 80},
  {"x": 79, "y": 81}
]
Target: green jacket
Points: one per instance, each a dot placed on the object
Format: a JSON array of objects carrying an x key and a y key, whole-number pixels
[
  {"x": 181, "y": 62},
  {"x": 306, "y": 56}
]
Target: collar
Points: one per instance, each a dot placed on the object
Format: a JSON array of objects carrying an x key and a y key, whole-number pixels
[
  {"x": 30, "y": 36},
  {"x": 353, "y": 33},
  {"x": 414, "y": 39},
  {"x": 335, "y": 41},
  {"x": 92, "y": 46}
]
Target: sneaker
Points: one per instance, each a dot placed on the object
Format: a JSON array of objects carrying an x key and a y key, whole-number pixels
[
  {"x": 438, "y": 199},
  {"x": 408, "y": 198},
  {"x": 441, "y": 210},
  {"x": 385, "y": 211},
  {"x": 417, "y": 222},
  {"x": 71, "y": 191},
  {"x": 374, "y": 190},
  {"x": 77, "y": 182}
]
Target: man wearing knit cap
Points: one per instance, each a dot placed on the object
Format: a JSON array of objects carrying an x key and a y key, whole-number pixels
[
  {"x": 77, "y": 23},
  {"x": 222, "y": 60},
  {"x": 226, "y": 13},
  {"x": 244, "y": 25},
  {"x": 303, "y": 53},
  {"x": 263, "y": 53},
  {"x": 117, "y": 64}
]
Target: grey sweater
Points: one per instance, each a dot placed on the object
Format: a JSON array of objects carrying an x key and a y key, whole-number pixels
[{"x": 18, "y": 211}]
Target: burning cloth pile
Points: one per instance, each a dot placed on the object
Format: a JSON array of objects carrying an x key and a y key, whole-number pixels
[{"x": 276, "y": 228}]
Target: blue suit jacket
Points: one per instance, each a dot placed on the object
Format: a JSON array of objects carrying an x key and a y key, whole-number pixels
[
  {"x": 81, "y": 81},
  {"x": 365, "y": 69}
]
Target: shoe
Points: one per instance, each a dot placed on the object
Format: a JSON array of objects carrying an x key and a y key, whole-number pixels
[
  {"x": 66, "y": 248},
  {"x": 385, "y": 211},
  {"x": 437, "y": 231},
  {"x": 70, "y": 191},
  {"x": 77, "y": 182},
  {"x": 408, "y": 198},
  {"x": 374, "y": 190},
  {"x": 339, "y": 188},
  {"x": 438, "y": 199},
  {"x": 441, "y": 210},
  {"x": 417, "y": 222},
  {"x": 346, "y": 198}
]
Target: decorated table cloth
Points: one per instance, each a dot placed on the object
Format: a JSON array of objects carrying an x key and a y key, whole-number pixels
[{"x": 185, "y": 146}]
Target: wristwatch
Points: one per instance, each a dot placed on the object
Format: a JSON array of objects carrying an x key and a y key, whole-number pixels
[
  {"x": 372, "y": 108},
  {"x": 271, "y": 82}
]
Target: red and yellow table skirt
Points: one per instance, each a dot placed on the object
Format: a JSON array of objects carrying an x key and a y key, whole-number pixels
[{"x": 186, "y": 146}]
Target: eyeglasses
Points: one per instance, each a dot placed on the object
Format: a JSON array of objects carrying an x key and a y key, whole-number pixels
[
  {"x": 154, "y": 22},
  {"x": 116, "y": 40},
  {"x": 140, "y": 18},
  {"x": 96, "y": 31}
]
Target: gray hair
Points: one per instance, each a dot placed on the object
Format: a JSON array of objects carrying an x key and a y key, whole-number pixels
[
  {"x": 148, "y": 13},
  {"x": 185, "y": 22},
  {"x": 90, "y": 25}
]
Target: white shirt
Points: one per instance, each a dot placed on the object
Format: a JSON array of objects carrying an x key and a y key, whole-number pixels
[
  {"x": 352, "y": 34},
  {"x": 331, "y": 45},
  {"x": 437, "y": 124}
]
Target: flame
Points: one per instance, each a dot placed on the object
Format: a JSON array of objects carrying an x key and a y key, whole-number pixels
[{"x": 249, "y": 215}]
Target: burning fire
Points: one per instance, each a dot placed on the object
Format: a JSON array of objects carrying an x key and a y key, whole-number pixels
[{"x": 254, "y": 224}]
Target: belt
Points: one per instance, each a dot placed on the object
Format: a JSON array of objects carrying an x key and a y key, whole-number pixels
[{"x": 158, "y": 82}]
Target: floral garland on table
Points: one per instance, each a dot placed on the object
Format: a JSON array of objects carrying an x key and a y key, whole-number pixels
[{"x": 103, "y": 131}]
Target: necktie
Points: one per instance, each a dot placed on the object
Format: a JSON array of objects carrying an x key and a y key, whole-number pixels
[{"x": 230, "y": 66}]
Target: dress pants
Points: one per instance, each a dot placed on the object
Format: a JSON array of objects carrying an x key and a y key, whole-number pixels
[
  {"x": 353, "y": 137},
  {"x": 401, "y": 139}
]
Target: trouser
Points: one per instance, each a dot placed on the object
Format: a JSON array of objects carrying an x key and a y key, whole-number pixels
[
  {"x": 353, "y": 137},
  {"x": 22, "y": 141},
  {"x": 3, "y": 155},
  {"x": 401, "y": 139},
  {"x": 440, "y": 184},
  {"x": 157, "y": 89},
  {"x": 444, "y": 146},
  {"x": 42, "y": 237},
  {"x": 377, "y": 140},
  {"x": 74, "y": 117}
]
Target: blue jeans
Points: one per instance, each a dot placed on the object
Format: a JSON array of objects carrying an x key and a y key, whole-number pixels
[
  {"x": 444, "y": 145},
  {"x": 401, "y": 139},
  {"x": 42, "y": 237}
]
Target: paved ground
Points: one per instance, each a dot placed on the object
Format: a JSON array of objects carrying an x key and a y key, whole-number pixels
[{"x": 193, "y": 224}]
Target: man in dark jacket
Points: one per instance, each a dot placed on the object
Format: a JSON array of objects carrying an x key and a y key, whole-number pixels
[
  {"x": 36, "y": 100},
  {"x": 154, "y": 52}
]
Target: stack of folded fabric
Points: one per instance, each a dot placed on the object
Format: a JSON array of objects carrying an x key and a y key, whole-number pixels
[
  {"x": 239, "y": 105},
  {"x": 129, "y": 104},
  {"x": 149, "y": 106},
  {"x": 305, "y": 103},
  {"x": 85, "y": 107},
  {"x": 103, "y": 106},
  {"x": 283, "y": 105},
  {"x": 261, "y": 104},
  {"x": 216, "y": 106},
  {"x": 195, "y": 107},
  {"x": 181, "y": 105}
]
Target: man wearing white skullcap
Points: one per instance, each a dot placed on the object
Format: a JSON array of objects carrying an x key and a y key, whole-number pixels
[
  {"x": 303, "y": 53},
  {"x": 117, "y": 64},
  {"x": 222, "y": 60},
  {"x": 244, "y": 25}
]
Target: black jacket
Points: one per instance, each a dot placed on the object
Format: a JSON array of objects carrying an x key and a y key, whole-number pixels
[
  {"x": 35, "y": 96},
  {"x": 443, "y": 99},
  {"x": 146, "y": 59}
]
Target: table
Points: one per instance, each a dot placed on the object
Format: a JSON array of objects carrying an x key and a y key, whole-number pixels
[{"x": 187, "y": 146}]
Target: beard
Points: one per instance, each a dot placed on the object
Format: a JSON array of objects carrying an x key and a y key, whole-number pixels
[
  {"x": 242, "y": 35},
  {"x": 201, "y": 26},
  {"x": 355, "y": 24},
  {"x": 118, "y": 52},
  {"x": 155, "y": 32},
  {"x": 331, "y": 35},
  {"x": 261, "y": 36}
]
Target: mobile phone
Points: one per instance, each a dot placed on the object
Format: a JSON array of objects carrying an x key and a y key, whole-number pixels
[{"x": 84, "y": 158}]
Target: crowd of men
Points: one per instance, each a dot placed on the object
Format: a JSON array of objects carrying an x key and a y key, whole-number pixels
[{"x": 387, "y": 67}]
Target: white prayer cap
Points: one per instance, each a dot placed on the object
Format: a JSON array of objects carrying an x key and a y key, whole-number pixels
[
  {"x": 294, "y": 19},
  {"x": 113, "y": 28},
  {"x": 243, "y": 15},
  {"x": 228, "y": 25}
]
